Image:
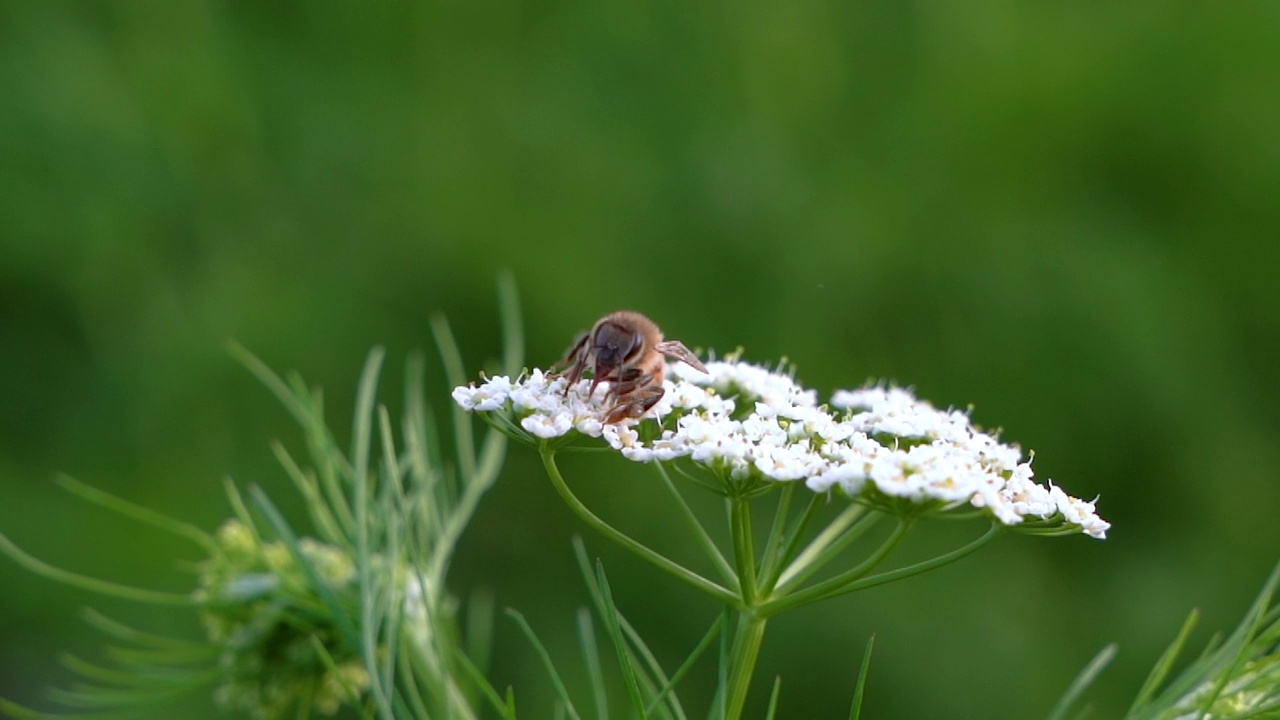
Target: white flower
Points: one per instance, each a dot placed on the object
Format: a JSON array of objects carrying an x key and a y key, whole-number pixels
[
  {"x": 547, "y": 426},
  {"x": 787, "y": 462},
  {"x": 490, "y": 396},
  {"x": 880, "y": 441},
  {"x": 589, "y": 425}
]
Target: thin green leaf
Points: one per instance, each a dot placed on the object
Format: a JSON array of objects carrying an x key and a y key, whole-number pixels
[
  {"x": 855, "y": 709},
  {"x": 274, "y": 383},
  {"x": 424, "y": 476},
  {"x": 330, "y": 464},
  {"x": 591, "y": 656},
  {"x": 362, "y": 427},
  {"x": 147, "y": 659},
  {"x": 1226, "y": 653},
  {"x": 615, "y": 633},
  {"x": 507, "y": 708},
  {"x": 669, "y": 688},
  {"x": 392, "y": 609},
  {"x": 479, "y": 635},
  {"x": 91, "y": 671},
  {"x": 309, "y": 488},
  {"x": 1165, "y": 664},
  {"x": 512, "y": 325},
  {"x": 136, "y": 512},
  {"x": 19, "y": 712},
  {"x": 97, "y": 698},
  {"x": 773, "y": 698},
  {"x": 640, "y": 648},
  {"x": 362, "y": 431},
  {"x": 1238, "y": 659},
  {"x": 409, "y": 682},
  {"x": 84, "y": 582},
  {"x": 538, "y": 647},
  {"x": 1082, "y": 682},
  {"x": 241, "y": 511},
  {"x": 493, "y": 454},
  {"x": 456, "y": 376},
  {"x": 282, "y": 530},
  {"x": 120, "y": 631}
]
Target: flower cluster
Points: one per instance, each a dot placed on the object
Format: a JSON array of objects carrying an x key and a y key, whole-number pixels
[
  {"x": 257, "y": 607},
  {"x": 745, "y": 421}
]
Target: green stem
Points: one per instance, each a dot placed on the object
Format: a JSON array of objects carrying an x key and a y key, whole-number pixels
[
  {"x": 771, "y": 558},
  {"x": 787, "y": 553},
  {"x": 700, "y": 532},
  {"x": 834, "y": 538},
  {"x": 744, "y": 553},
  {"x": 820, "y": 590},
  {"x": 745, "y": 651},
  {"x": 679, "y": 571},
  {"x": 892, "y": 575}
]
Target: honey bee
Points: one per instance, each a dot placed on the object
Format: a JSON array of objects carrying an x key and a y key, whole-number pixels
[{"x": 626, "y": 349}]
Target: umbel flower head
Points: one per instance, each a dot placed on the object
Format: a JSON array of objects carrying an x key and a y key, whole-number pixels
[{"x": 744, "y": 423}]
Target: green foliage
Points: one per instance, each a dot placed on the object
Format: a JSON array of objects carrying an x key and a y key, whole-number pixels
[
  {"x": 358, "y": 618},
  {"x": 1238, "y": 677},
  {"x": 1062, "y": 212}
]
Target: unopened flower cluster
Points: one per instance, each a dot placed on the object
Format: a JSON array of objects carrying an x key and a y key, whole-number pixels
[
  {"x": 261, "y": 608},
  {"x": 742, "y": 420},
  {"x": 254, "y": 595}
]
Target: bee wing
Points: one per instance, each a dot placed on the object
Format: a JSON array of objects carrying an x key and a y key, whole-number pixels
[{"x": 676, "y": 350}]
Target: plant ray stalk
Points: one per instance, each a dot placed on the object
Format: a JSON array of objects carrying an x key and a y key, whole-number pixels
[
  {"x": 704, "y": 539},
  {"x": 708, "y": 586}
]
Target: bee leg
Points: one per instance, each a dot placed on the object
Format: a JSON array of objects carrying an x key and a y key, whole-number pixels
[
  {"x": 637, "y": 404},
  {"x": 627, "y": 381},
  {"x": 577, "y": 355}
]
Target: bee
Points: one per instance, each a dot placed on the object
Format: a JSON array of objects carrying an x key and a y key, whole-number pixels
[{"x": 626, "y": 349}]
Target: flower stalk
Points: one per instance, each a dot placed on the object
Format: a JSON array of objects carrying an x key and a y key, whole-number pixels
[
  {"x": 745, "y": 651},
  {"x": 596, "y": 523}
]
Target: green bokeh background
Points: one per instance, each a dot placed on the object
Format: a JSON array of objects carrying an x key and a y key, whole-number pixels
[{"x": 1065, "y": 214}]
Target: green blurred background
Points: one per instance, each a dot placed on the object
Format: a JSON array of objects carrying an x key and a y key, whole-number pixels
[{"x": 1065, "y": 214}]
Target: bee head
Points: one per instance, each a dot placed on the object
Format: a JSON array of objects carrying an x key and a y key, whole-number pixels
[{"x": 612, "y": 345}]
